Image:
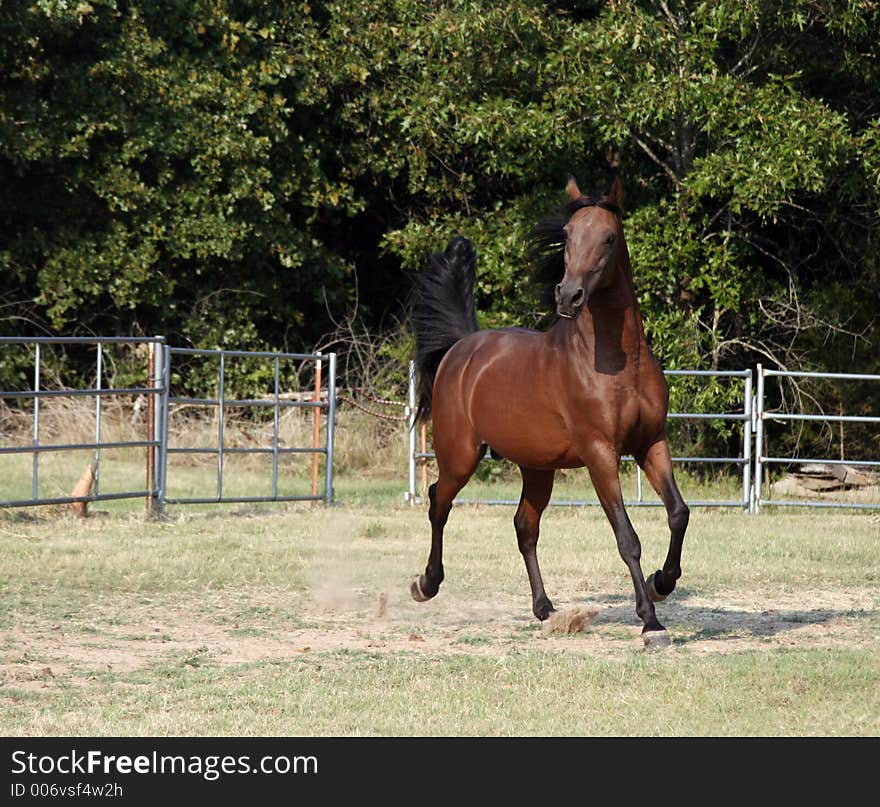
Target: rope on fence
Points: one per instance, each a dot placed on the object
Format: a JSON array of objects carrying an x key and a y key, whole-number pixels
[{"x": 373, "y": 412}]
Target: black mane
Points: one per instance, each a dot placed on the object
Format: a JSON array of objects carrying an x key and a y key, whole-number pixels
[{"x": 546, "y": 250}]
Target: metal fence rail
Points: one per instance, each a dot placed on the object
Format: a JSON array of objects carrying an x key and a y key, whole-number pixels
[
  {"x": 222, "y": 403},
  {"x": 763, "y": 459},
  {"x": 36, "y": 448},
  {"x": 744, "y": 461}
]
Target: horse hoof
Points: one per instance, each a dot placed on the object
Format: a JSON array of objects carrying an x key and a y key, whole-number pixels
[
  {"x": 656, "y": 639},
  {"x": 655, "y": 595},
  {"x": 416, "y": 590}
]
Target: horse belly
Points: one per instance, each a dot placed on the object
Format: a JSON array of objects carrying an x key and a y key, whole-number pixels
[
  {"x": 530, "y": 451},
  {"x": 497, "y": 386}
]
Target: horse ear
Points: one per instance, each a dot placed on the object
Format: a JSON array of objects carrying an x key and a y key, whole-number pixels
[
  {"x": 572, "y": 189},
  {"x": 615, "y": 194}
]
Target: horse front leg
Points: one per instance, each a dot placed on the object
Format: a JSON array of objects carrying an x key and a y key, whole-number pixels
[
  {"x": 657, "y": 465},
  {"x": 604, "y": 474}
]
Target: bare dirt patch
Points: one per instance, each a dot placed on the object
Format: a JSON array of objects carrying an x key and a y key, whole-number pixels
[{"x": 34, "y": 655}]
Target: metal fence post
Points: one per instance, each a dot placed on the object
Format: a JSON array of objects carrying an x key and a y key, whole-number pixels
[
  {"x": 99, "y": 371},
  {"x": 36, "y": 471},
  {"x": 411, "y": 433},
  {"x": 316, "y": 426},
  {"x": 331, "y": 421},
  {"x": 747, "y": 445},
  {"x": 162, "y": 425},
  {"x": 151, "y": 429},
  {"x": 759, "y": 440},
  {"x": 156, "y": 379},
  {"x": 221, "y": 424},
  {"x": 276, "y": 415}
]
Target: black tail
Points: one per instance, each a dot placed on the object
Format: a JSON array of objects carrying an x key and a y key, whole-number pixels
[{"x": 442, "y": 312}]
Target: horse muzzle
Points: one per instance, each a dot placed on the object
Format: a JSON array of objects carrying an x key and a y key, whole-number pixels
[{"x": 570, "y": 300}]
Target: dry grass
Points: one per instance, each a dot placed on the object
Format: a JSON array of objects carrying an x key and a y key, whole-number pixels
[
  {"x": 298, "y": 621},
  {"x": 571, "y": 620}
]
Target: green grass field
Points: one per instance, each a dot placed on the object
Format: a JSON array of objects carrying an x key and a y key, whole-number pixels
[{"x": 296, "y": 620}]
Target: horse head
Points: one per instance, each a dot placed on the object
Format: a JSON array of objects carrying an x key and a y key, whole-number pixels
[{"x": 593, "y": 238}]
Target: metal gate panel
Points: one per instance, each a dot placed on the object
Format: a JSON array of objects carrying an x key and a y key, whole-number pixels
[
  {"x": 99, "y": 392},
  {"x": 763, "y": 459},
  {"x": 222, "y": 403}
]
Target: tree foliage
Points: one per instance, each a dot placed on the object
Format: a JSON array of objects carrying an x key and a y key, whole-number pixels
[
  {"x": 156, "y": 176},
  {"x": 240, "y": 173}
]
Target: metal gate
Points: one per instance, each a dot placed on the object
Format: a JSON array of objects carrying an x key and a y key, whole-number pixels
[
  {"x": 156, "y": 393},
  {"x": 222, "y": 404},
  {"x": 764, "y": 458},
  {"x": 152, "y": 390}
]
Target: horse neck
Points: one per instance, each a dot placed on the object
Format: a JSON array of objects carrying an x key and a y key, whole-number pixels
[
  {"x": 619, "y": 296},
  {"x": 609, "y": 331}
]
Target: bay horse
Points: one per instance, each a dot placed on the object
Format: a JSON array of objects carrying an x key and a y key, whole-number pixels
[{"x": 581, "y": 393}]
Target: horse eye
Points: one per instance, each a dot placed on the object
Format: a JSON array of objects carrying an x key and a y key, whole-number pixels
[{"x": 611, "y": 239}]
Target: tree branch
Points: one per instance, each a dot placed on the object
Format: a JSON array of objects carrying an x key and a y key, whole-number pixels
[{"x": 666, "y": 169}]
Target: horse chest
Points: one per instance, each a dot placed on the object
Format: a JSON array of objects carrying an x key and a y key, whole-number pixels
[
  {"x": 615, "y": 411},
  {"x": 625, "y": 412}
]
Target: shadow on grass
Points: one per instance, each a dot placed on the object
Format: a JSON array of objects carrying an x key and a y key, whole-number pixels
[{"x": 695, "y": 623}]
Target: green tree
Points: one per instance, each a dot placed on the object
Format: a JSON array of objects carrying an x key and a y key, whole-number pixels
[
  {"x": 233, "y": 174},
  {"x": 157, "y": 172}
]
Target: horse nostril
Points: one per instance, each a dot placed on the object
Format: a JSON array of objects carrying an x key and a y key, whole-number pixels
[
  {"x": 578, "y": 297},
  {"x": 558, "y": 290}
]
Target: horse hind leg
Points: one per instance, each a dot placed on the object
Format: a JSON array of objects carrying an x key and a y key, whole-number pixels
[
  {"x": 657, "y": 465},
  {"x": 452, "y": 478},
  {"x": 537, "y": 487}
]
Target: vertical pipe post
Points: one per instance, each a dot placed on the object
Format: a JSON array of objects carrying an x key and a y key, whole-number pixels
[
  {"x": 747, "y": 444},
  {"x": 316, "y": 429},
  {"x": 759, "y": 440},
  {"x": 275, "y": 434},
  {"x": 159, "y": 358},
  {"x": 222, "y": 417},
  {"x": 411, "y": 433},
  {"x": 35, "y": 481},
  {"x": 99, "y": 371},
  {"x": 331, "y": 421},
  {"x": 151, "y": 428},
  {"x": 163, "y": 427},
  {"x": 639, "y": 482}
]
